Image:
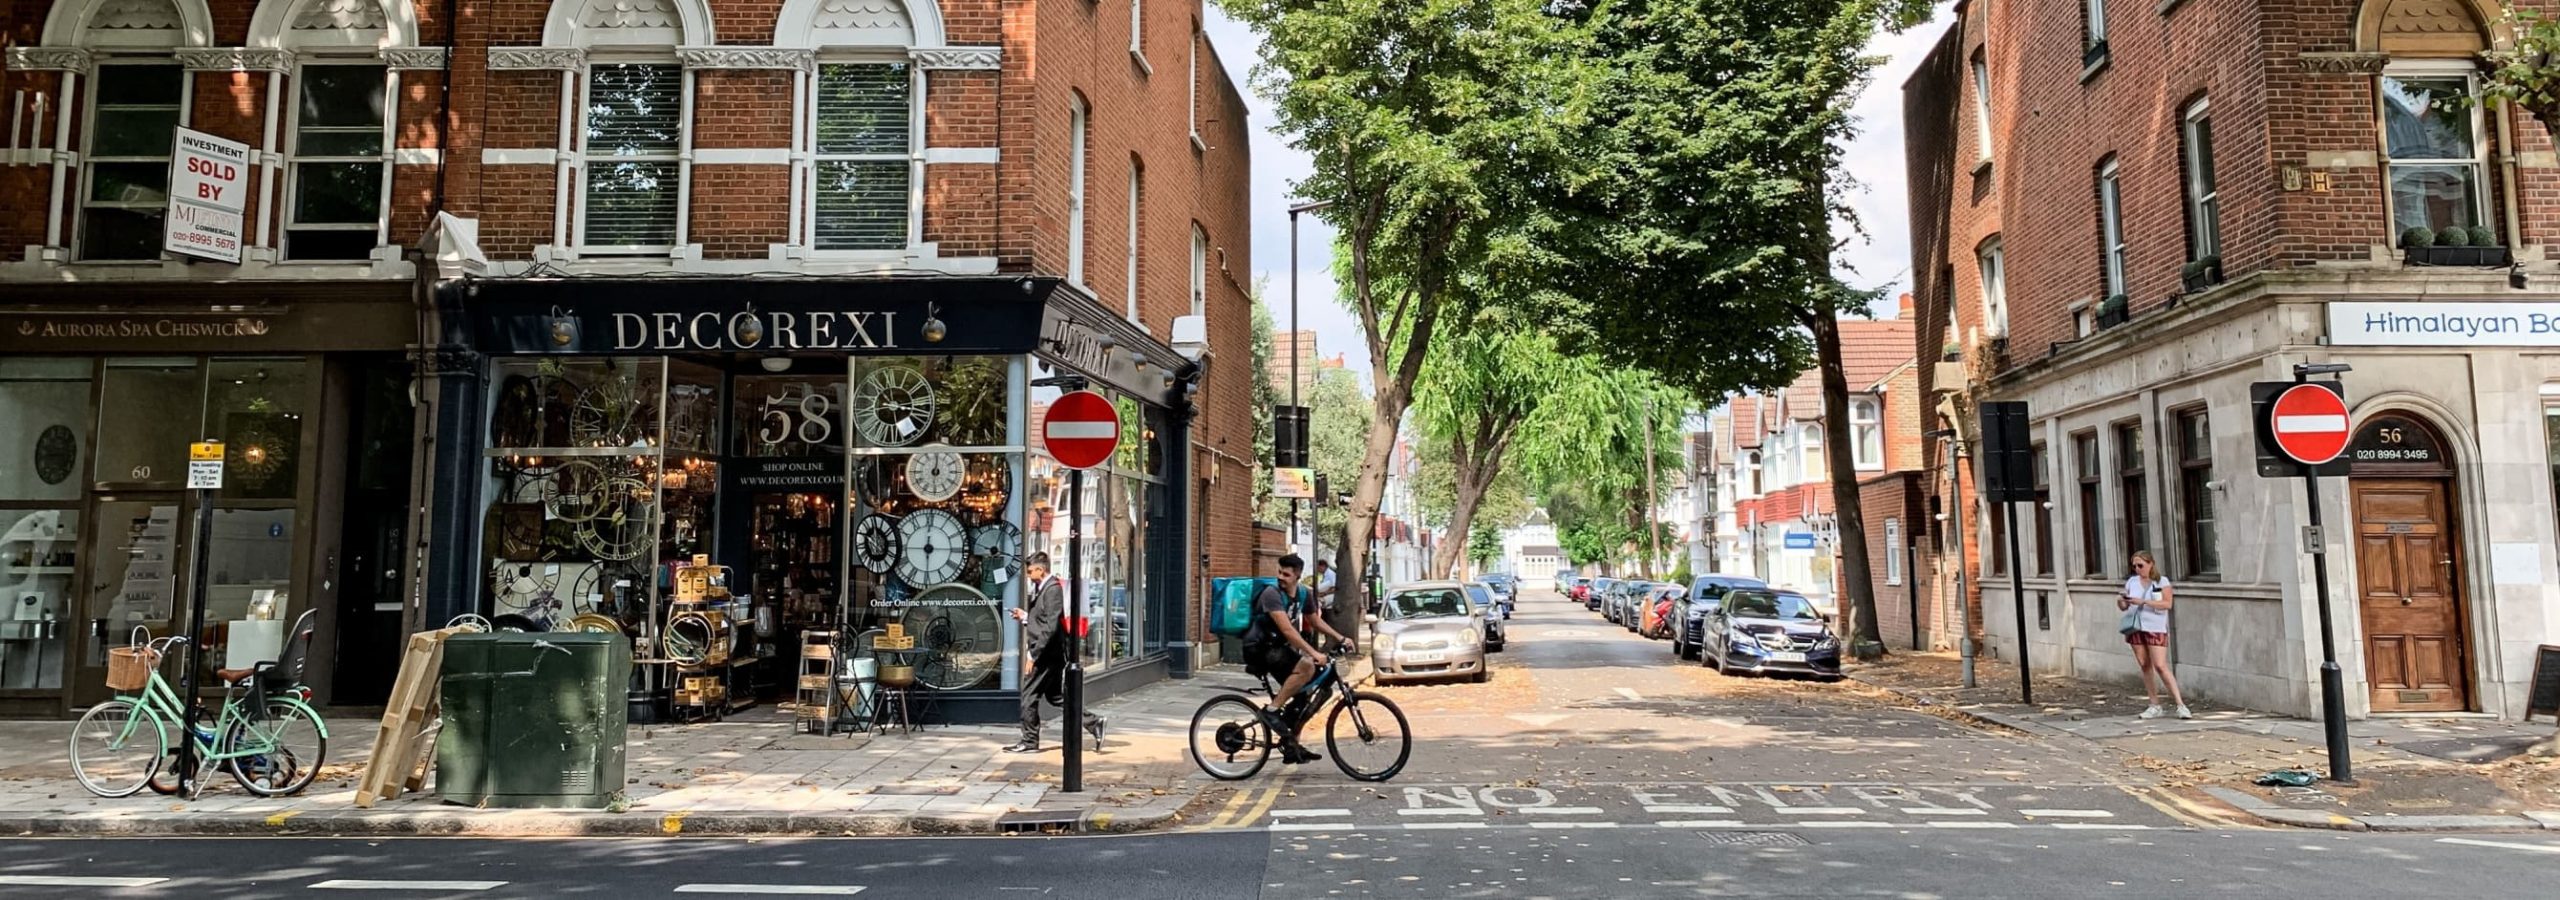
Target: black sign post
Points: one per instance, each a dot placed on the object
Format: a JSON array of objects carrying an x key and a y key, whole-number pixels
[
  {"x": 2275, "y": 460},
  {"x": 2009, "y": 478}
]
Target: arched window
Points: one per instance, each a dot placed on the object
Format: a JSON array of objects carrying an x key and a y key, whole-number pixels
[
  {"x": 634, "y": 128},
  {"x": 137, "y": 95},
  {"x": 338, "y": 122},
  {"x": 866, "y": 146}
]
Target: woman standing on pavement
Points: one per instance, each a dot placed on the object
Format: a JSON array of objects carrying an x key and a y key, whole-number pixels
[{"x": 2146, "y": 598}]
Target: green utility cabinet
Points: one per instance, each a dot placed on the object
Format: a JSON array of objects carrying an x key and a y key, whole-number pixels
[{"x": 533, "y": 719}]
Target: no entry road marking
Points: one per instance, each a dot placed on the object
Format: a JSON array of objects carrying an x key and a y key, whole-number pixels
[
  {"x": 800, "y": 890},
  {"x": 2502, "y": 845}
]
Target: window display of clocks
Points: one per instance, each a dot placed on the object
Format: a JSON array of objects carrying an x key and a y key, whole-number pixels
[
  {"x": 875, "y": 543},
  {"x": 57, "y": 450},
  {"x": 933, "y": 547},
  {"x": 934, "y": 474},
  {"x": 893, "y": 406},
  {"x": 995, "y": 549}
]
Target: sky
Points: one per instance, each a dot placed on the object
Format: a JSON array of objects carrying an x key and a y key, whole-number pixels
[{"x": 1879, "y": 256}]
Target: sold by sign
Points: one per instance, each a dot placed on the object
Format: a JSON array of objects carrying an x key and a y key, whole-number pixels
[{"x": 208, "y": 192}]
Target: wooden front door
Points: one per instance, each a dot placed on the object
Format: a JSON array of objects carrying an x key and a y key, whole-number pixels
[{"x": 2409, "y": 590}]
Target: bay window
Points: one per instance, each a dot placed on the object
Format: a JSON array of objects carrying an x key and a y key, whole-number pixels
[
  {"x": 2432, "y": 137},
  {"x": 864, "y": 156},
  {"x": 338, "y": 172},
  {"x": 132, "y": 127},
  {"x": 633, "y": 175}
]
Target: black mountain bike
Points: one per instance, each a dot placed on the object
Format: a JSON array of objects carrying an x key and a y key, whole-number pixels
[{"x": 1365, "y": 733}]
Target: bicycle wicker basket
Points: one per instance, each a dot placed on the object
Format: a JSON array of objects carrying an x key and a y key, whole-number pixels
[{"x": 129, "y": 668}]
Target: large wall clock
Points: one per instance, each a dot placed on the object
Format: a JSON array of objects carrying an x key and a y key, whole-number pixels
[
  {"x": 933, "y": 546},
  {"x": 933, "y": 474},
  {"x": 997, "y": 550},
  {"x": 57, "y": 450},
  {"x": 893, "y": 407},
  {"x": 875, "y": 543}
]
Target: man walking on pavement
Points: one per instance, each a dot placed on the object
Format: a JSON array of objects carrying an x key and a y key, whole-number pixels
[{"x": 1045, "y": 644}]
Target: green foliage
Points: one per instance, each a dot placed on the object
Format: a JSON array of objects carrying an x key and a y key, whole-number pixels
[
  {"x": 2417, "y": 237},
  {"x": 1680, "y": 574},
  {"x": 2484, "y": 236},
  {"x": 1484, "y": 545},
  {"x": 2453, "y": 236},
  {"x": 2526, "y": 72},
  {"x": 1263, "y": 400},
  {"x": 1435, "y": 489}
]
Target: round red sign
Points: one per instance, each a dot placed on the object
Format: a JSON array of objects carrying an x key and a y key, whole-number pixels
[
  {"x": 1081, "y": 430},
  {"x": 2309, "y": 423}
]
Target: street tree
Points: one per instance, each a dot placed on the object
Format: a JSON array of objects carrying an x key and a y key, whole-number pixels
[
  {"x": 1338, "y": 436},
  {"x": 1477, "y": 391},
  {"x": 1435, "y": 489},
  {"x": 2526, "y": 71},
  {"x": 1584, "y": 450},
  {"x": 1426, "y": 121},
  {"x": 1484, "y": 545},
  {"x": 1264, "y": 399}
]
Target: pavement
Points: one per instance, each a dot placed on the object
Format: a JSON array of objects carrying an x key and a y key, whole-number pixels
[{"x": 2411, "y": 773}]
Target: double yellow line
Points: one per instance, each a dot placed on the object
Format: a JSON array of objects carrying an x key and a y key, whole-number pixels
[{"x": 1247, "y": 806}]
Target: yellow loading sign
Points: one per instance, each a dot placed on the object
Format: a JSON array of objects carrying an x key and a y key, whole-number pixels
[{"x": 204, "y": 466}]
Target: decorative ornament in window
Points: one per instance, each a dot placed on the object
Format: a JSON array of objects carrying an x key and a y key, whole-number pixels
[
  {"x": 875, "y": 543},
  {"x": 57, "y": 449}
]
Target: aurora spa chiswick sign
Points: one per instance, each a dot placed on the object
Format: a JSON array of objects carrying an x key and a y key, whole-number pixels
[{"x": 2413, "y": 324}]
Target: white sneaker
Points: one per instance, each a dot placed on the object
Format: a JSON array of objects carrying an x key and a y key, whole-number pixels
[
  {"x": 2185, "y": 713},
  {"x": 2153, "y": 712}
]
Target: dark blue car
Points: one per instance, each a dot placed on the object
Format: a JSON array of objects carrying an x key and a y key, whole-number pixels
[
  {"x": 1687, "y": 612},
  {"x": 1765, "y": 631}
]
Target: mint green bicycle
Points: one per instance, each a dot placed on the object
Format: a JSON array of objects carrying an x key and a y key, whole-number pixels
[{"x": 266, "y": 735}]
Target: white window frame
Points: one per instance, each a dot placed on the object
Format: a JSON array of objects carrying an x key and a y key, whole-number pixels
[
  {"x": 681, "y": 154},
  {"x": 1982, "y": 101},
  {"x": 2094, "y": 23},
  {"x": 292, "y": 170},
  {"x": 1192, "y": 86},
  {"x": 1138, "y": 34},
  {"x": 1809, "y": 452},
  {"x": 1137, "y": 186},
  {"x": 1747, "y": 474},
  {"x": 79, "y": 233},
  {"x": 913, "y": 157},
  {"x": 1994, "y": 263},
  {"x": 1866, "y": 431},
  {"x": 2204, "y": 194},
  {"x": 1199, "y": 271},
  {"x": 2111, "y": 226},
  {"x": 1893, "y": 551},
  {"x": 1078, "y": 119},
  {"x": 2434, "y": 70}
]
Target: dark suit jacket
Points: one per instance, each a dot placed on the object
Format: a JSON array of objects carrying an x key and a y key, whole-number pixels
[{"x": 1044, "y": 636}]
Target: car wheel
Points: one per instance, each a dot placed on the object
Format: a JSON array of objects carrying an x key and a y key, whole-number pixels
[{"x": 1481, "y": 676}]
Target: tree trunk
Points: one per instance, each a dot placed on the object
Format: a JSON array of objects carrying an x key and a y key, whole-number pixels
[
  {"x": 1466, "y": 496},
  {"x": 1360, "y": 522},
  {"x": 1867, "y": 641}
]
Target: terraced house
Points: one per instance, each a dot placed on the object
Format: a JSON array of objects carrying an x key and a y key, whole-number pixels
[
  {"x": 2124, "y": 214},
  {"x": 511, "y": 307}
]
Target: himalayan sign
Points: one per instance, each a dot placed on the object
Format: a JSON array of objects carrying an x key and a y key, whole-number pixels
[
  {"x": 208, "y": 192},
  {"x": 2444, "y": 324}
]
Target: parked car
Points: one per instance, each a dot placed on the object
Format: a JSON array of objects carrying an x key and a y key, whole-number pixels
[
  {"x": 1598, "y": 594},
  {"x": 1656, "y": 621},
  {"x": 1704, "y": 592},
  {"x": 1489, "y": 605},
  {"x": 1621, "y": 607},
  {"x": 1427, "y": 630},
  {"x": 1578, "y": 589},
  {"x": 1563, "y": 578},
  {"x": 1499, "y": 602},
  {"x": 1637, "y": 601},
  {"x": 1761, "y": 630}
]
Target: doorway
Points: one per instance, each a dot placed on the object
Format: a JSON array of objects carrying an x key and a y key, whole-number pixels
[
  {"x": 2408, "y": 568},
  {"x": 135, "y": 581}
]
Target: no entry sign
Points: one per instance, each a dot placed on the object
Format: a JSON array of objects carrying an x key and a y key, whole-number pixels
[
  {"x": 2309, "y": 423},
  {"x": 1082, "y": 430}
]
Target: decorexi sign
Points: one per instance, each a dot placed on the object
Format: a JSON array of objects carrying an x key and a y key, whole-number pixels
[{"x": 750, "y": 330}]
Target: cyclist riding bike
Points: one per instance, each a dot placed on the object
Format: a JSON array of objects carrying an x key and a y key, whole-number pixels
[{"x": 1275, "y": 644}]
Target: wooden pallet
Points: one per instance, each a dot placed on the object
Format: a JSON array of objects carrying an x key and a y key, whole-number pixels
[{"x": 404, "y": 749}]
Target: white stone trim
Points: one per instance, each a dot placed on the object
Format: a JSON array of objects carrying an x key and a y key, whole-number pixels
[
  {"x": 561, "y": 28},
  {"x": 565, "y": 59},
  {"x": 961, "y": 58},
  {"x": 272, "y": 24},
  {"x": 63, "y": 26},
  {"x": 51, "y": 59},
  {"x": 234, "y": 59},
  {"x": 745, "y": 58},
  {"x": 417, "y": 156},
  {"x": 742, "y": 156},
  {"x": 796, "y": 25},
  {"x": 960, "y": 155},
  {"x": 519, "y": 156},
  {"x": 413, "y": 57}
]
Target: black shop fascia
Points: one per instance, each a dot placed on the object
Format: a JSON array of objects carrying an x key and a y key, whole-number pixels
[{"x": 860, "y": 454}]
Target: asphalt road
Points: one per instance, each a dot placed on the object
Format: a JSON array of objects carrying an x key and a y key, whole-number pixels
[{"x": 1592, "y": 766}]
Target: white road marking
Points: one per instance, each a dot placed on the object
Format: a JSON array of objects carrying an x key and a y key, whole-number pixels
[
  {"x": 1700, "y": 823},
  {"x": 1973, "y": 824},
  {"x": 1841, "y": 823},
  {"x": 1821, "y": 811},
  {"x": 1539, "y": 720},
  {"x": 2101, "y": 826},
  {"x": 360, "y": 884},
  {"x": 1442, "y": 826},
  {"x": 100, "y": 881},
  {"x": 1309, "y": 813},
  {"x": 1309, "y": 826},
  {"x": 2066, "y": 814},
  {"x": 2502, "y": 845},
  {"x": 1441, "y": 811},
  {"x": 1573, "y": 824},
  {"x": 1630, "y": 694},
  {"x": 1558, "y": 810},
  {"x": 1940, "y": 811},
  {"x": 1688, "y": 810},
  {"x": 806, "y": 890}
]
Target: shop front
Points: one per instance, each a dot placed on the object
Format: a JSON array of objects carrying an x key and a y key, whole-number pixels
[
  {"x": 859, "y": 456},
  {"x": 305, "y": 386}
]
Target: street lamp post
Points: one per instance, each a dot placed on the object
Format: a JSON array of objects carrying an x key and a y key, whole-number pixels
[{"x": 1298, "y": 349}]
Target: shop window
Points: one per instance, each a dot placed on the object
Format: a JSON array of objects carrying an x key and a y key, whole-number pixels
[
  {"x": 2204, "y": 198},
  {"x": 634, "y": 133},
  {"x": 578, "y": 483},
  {"x": 39, "y": 556},
  {"x": 2130, "y": 486},
  {"x": 2044, "y": 514},
  {"x": 2432, "y": 136},
  {"x": 255, "y": 407},
  {"x": 44, "y": 453},
  {"x": 338, "y": 172},
  {"x": 865, "y": 157},
  {"x": 2195, "y": 493},
  {"x": 149, "y": 410},
  {"x": 131, "y": 130},
  {"x": 133, "y": 572},
  {"x": 1866, "y": 430},
  {"x": 2084, "y": 457}
]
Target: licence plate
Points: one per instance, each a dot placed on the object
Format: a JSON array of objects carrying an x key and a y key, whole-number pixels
[
  {"x": 1786, "y": 656},
  {"x": 1426, "y": 658}
]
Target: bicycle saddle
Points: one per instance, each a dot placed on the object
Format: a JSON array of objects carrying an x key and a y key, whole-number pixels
[{"x": 234, "y": 676}]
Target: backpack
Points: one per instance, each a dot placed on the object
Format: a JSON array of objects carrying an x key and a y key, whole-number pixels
[{"x": 1231, "y": 615}]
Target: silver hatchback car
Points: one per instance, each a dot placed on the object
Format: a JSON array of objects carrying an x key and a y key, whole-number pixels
[{"x": 1428, "y": 630}]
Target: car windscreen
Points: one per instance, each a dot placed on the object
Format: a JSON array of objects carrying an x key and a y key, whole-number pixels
[
  {"x": 1766, "y": 605},
  {"x": 1478, "y": 594},
  {"x": 1420, "y": 604}
]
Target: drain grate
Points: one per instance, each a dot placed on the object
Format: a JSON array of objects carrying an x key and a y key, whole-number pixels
[{"x": 1754, "y": 839}]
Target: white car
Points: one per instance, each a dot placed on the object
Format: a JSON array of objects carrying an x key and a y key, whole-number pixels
[{"x": 1428, "y": 630}]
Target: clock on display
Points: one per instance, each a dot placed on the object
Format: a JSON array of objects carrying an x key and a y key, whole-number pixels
[
  {"x": 893, "y": 406},
  {"x": 875, "y": 542},
  {"x": 57, "y": 450},
  {"x": 997, "y": 551},
  {"x": 934, "y": 474},
  {"x": 933, "y": 547}
]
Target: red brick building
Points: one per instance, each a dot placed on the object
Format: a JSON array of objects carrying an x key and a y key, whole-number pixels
[
  {"x": 2125, "y": 214},
  {"x": 697, "y": 243}
]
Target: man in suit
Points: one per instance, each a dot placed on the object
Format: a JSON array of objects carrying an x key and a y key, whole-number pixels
[{"x": 1045, "y": 645}]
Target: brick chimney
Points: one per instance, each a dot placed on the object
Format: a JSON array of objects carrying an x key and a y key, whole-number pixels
[{"x": 1905, "y": 312}]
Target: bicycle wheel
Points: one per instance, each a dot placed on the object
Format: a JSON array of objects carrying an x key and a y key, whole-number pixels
[
  {"x": 1228, "y": 739},
  {"x": 293, "y": 748},
  {"x": 1372, "y": 727},
  {"x": 116, "y": 747}
]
